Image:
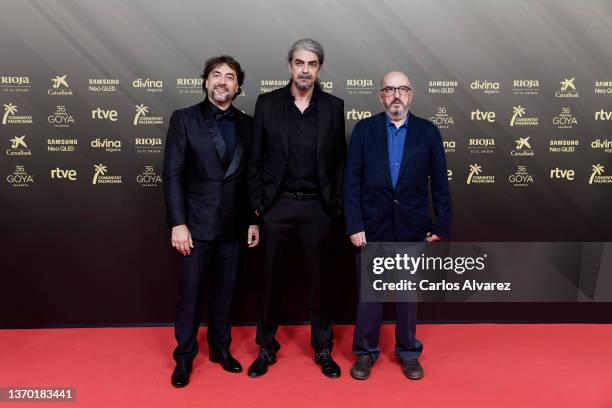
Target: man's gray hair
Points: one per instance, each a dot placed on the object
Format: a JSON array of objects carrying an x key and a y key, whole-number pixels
[{"x": 307, "y": 44}]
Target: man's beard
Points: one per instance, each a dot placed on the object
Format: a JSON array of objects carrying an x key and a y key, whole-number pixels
[
  {"x": 396, "y": 110},
  {"x": 304, "y": 85},
  {"x": 221, "y": 97}
]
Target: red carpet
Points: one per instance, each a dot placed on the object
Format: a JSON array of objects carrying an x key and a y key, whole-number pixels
[{"x": 482, "y": 365}]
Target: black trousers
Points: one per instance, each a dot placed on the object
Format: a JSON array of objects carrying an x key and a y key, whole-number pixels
[
  {"x": 310, "y": 223},
  {"x": 221, "y": 260}
]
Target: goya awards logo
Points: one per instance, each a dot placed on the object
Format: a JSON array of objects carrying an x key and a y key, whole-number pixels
[
  {"x": 60, "y": 118},
  {"x": 567, "y": 89},
  {"x": 442, "y": 87},
  {"x": 359, "y": 86},
  {"x": 442, "y": 119},
  {"x": 149, "y": 177},
  {"x": 481, "y": 145},
  {"x": 103, "y": 85},
  {"x": 563, "y": 145},
  {"x": 519, "y": 119},
  {"x": 187, "y": 86},
  {"x": 526, "y": 87},
  {"x": 485, "y": 87},
  {"x": 603, "y": 145},
  {"x": 522, "y": 147},
  {"x": 565, "y": 119},
  {"x": 20, "y": 177},
  {"x": 475, "y": 175},
  {"x": 602, "y": 87},
  {"x": 141, "y": 117},
  {"x": 60, "y": 86},
  {"x": 16, "y": 84},
  {"x": 150, "y": 85},
  {"x": 10, "y": 116},
  {"x": 268, "y": 85},
  {"x": 109, "y": 145},
  {"x": 100, "y": 176},
  {"x": 19, "y": 147},
  {"x": 598, "y": 176},
  {"x": 521, "y": 177}
]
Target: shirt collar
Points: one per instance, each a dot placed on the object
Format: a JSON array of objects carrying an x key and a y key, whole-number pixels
[{"x": 389, "y": 122}]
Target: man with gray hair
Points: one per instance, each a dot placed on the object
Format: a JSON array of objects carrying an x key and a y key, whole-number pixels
[
  {"x": 295, "y": 185},
  {"x": 395, "y": 161}
]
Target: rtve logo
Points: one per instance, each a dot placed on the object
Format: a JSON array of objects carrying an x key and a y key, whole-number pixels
[
  {"x": 355, "y": 114},
  {"x": 563, "y": 174},
  {"x": 603, "y": 115},
  {"x": 483, "y": 115},
  {"x": 69, "y": 174},
  {"x": 100, "y": 113}
]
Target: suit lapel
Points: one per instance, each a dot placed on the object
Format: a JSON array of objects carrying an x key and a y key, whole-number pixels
[
  {"x": 240, "y": 132},
  {"x": 323, "y": 120},
  {"x": 411, "y": 132},
  {"x": 382, "y": 146},
  {"x": 210, "y": 124}
]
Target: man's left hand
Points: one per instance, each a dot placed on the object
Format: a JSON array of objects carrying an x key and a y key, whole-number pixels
[
  {"x": 432, "y": 238},
  {"x": 253, "y": 236}
]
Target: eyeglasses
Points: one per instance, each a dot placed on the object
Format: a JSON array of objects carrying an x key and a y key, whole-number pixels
[{"x": 390, "y": 90}]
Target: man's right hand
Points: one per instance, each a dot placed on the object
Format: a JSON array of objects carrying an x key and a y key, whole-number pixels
[
  {"x": 359, "y": 239},
  {"x": 181, "y": 239}
]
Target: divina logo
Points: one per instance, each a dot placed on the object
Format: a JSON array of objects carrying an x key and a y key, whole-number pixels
[
  {"x": 483, "y": 116},
  {"x": 10, "y": 116},
  {"x": 108, "y": 145},
  {"x": 486, "y": 87},
  {"x": 59, "y": 86},
  {"x": 149, "y": 84},
  {"x": 605, "y": 145}
]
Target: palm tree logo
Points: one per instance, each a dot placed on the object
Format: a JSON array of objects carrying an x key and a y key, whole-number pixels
[
  {"x": 9, "y": 109},
  {"x": 597, "y": 171},
  {"x": 100, "y": 171},
  {"x": 475, "y": 169},
  {"x": 140, "y": 110},
  {"x": 518, "y": 111}
]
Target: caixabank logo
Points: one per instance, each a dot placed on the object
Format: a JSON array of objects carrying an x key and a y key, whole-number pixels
[
  {"x": 142, "y": 118},
  {"x": 60, "y": 86},
  {"x": 522, "y": 147},
  {"x": 20, "y": 177},
  {"x": 567, "y": 88},
  {"x": 442, "y": 119},
  {"x": 15, "y": 83},
  {"x": 359, "y": 86},
  {"x": 438, "y": 87},
  {"x": 476, "y": 176},
  {"x": 10, "y": 116},
  {"x": 18, "y": 147}
]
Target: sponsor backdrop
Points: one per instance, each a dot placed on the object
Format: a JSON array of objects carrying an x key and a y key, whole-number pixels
[{"x": 522, "y": 92}]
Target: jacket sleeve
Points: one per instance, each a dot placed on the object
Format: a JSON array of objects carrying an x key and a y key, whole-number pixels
[
  {"x": 340, "y": 153},
  {"x": 255, "y": 160},
  {"x": 174, "y": 171},
  {"x": 440, "y": 191},
  {"x": 352, "y": 183}
]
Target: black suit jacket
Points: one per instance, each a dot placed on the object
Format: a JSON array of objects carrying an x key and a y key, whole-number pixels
[
  {"x": 211, "y": 201},
  {"x": 269, "y": 150}
]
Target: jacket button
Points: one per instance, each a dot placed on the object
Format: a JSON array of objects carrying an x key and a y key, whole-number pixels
[{"x": 396, "y": 202}]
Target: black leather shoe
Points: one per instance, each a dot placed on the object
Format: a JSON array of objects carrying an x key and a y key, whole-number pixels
[
  {"x": 362, "y": 367},
  {"x": 180, "y": 376},
  {"x": 329, "y": 368},
  {"x": 413, "y": 369},
  {"x": 226, "y": 360},
  {"x": 261, "y": 363}
]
